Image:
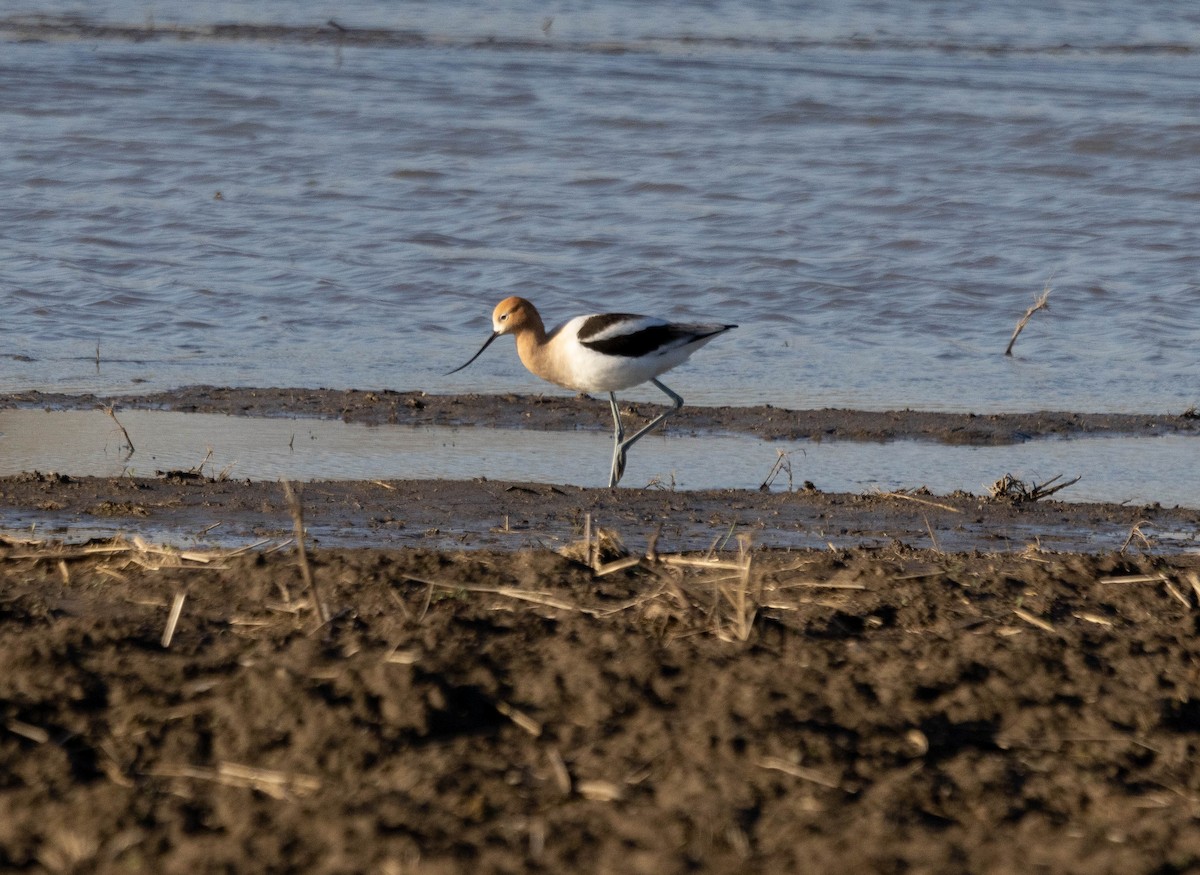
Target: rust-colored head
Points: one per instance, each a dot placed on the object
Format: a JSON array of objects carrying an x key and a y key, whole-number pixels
[{"x": 511, "y": 316}]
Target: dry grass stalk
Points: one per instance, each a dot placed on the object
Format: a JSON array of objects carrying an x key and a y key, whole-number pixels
[
  {"x": 619, "y": 565},
  {"x": 779, "y": 764},
  {"x": 540, "y": 598},
  {"x": 1034, "y": 620},
  {"x": 599, "y": 791},
  {"x": 932, "y": 537},
  {"x": 1193, "y": 579},
  {"x": 679, "y": 559},
  {"x": 587, "y": 541},
  {"x": 1175, "y": 593},
  {"x": 744, "y": 605},
  {"x": 1010, "y": 488},
  {"x": 133, "y": 550},
  {"x": 834, "y": 584},
  {"x": 520, "y": 718},
  {"x": 111, "y": 410},
  {"x": 306, "y": 574},
  {"x": 173, "y": 618},
  {"x": 27, "y": 730},
  {"x": 1041, "y": 303},
  {"x": 562, "y": 777},
  {"x": 277, "y": 785},
  {"x": 907, "y": 496},
  {"x": 1135, "y": 578}
]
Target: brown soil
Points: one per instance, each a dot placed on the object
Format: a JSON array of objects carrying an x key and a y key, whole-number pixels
[
  {"x": 875, "y": 683},
  {"x": 888, "y": 711}
]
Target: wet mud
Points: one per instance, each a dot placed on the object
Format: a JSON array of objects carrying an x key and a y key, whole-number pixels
[
  {"x": 184, "y": 508},
  {"x": 559, "y": 413}
]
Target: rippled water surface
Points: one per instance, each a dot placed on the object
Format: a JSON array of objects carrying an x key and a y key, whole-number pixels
[{"x": 874, "y": 192}]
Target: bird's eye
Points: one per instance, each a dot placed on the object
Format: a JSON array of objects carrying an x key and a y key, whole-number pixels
[{"x": 504, "y": 317}]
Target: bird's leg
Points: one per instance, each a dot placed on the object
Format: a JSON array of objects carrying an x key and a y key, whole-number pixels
[
  {"x": 623, "y": 445},
  {"x": 618, "y": 460}
]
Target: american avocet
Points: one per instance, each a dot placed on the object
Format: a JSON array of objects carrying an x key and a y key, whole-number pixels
[{"x": 605, "y": 352}]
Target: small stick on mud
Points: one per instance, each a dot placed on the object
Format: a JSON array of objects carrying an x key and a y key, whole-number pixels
[
  {"x": 111, "y": 410},
  {"x": 1041, "y": 303},
  {"x": 932, "y": 536},
  {"x": 301, "y": 554},
  {"x": 909, "y": 497}
]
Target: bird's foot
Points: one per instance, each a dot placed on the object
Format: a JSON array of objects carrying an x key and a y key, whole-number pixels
[{"x": 618, "y": 468}]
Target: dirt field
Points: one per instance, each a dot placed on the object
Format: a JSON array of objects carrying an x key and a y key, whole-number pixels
[
  {"x": 866, "y": 710},
  {"x": 825, "y": 683}
]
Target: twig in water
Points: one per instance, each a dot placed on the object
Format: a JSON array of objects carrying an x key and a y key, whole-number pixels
[
  {"x": 110, "y": 409},
  {"x": 1137, "y": 533},
  {"x": 1041, "y": 303},
  {"x": 199, "y": 469},
  {"x": 782, "y": 464},
  {"x": 301, "y": 554}
]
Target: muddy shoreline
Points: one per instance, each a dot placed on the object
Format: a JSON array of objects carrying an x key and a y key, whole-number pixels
[
  {"x": 559, "y": 413},
  {"x": 476, "y": 514},
  {"x": 182, "y": 509}
]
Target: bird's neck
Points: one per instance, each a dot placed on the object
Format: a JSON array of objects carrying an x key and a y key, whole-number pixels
[{"x": 534, "y": 349}]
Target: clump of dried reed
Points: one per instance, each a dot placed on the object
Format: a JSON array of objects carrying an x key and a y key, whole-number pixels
[{"x": 1017, "y": 491}]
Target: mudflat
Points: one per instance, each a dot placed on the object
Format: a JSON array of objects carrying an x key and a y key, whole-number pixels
[
  {"x": 557, "y": 412},
  {"x": 452, "y": 678}
]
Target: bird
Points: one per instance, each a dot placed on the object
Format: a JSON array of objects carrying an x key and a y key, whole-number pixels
[{"x": 602, "y": 352}]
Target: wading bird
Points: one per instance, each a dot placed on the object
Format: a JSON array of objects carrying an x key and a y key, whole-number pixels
[{"x": 605, "y": 352}]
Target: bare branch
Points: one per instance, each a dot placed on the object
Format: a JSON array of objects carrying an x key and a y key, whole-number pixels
[{"x": 1040, "y": 304}]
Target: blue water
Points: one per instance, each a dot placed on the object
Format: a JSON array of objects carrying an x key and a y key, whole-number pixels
[{"x": 874, "y": 191}]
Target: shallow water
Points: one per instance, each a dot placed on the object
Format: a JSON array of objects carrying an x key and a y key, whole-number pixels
[
  {"x": 873, "y": 192},
  {"x": 82, "y": 443}
]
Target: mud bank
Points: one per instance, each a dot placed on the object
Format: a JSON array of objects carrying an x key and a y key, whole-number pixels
[
  {"x": 183, "y": 508},
  {"x": 551, "y": 412}
]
